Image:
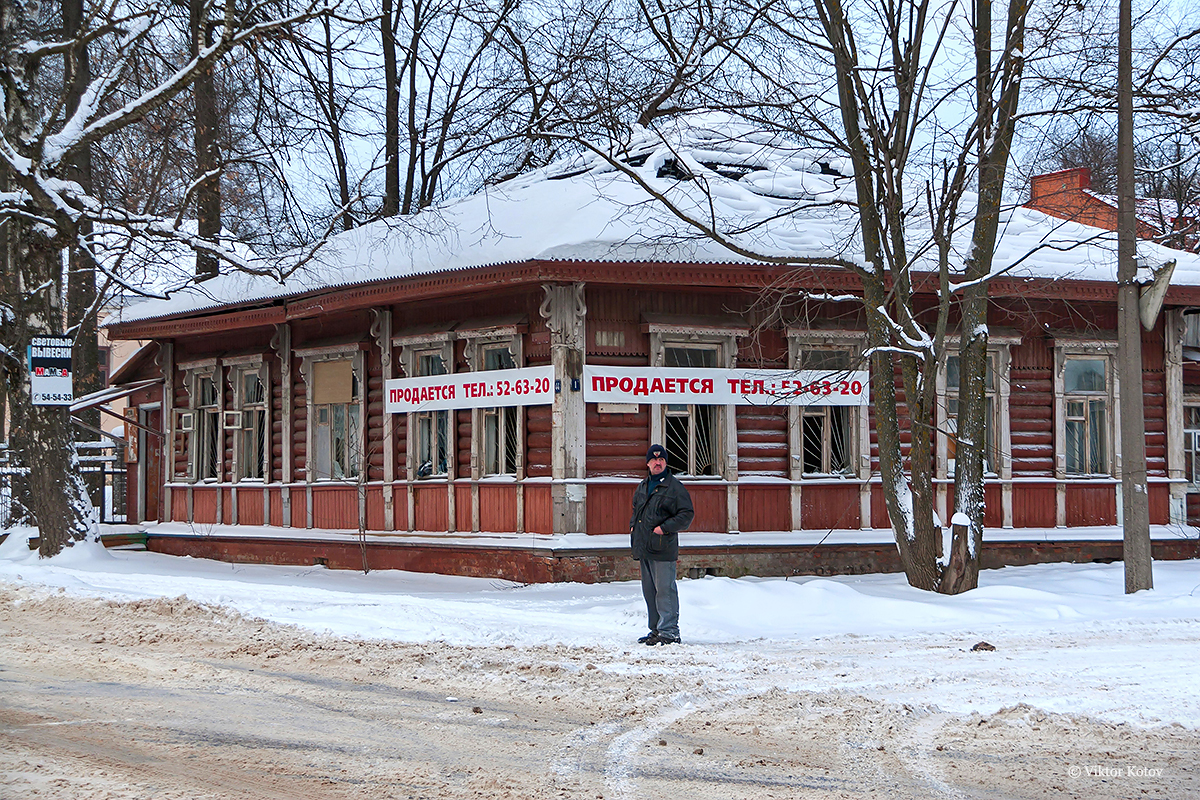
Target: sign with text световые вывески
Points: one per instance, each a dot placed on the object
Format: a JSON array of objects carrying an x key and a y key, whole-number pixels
[{"x": 50, "y": 371}]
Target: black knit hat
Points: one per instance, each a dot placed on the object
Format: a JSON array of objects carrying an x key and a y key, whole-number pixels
[{"x": 655, "y": 451}]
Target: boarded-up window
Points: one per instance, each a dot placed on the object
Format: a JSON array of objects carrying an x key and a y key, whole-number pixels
[
  {"x": 336, "y": 420},
  {"x": 333, "y": 382}
]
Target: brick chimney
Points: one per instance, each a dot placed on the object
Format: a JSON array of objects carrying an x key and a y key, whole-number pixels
[{"x": 1059, "y": 184}]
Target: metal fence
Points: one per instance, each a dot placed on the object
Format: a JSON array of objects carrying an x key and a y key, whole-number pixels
[{"x": 102, "y": 465}]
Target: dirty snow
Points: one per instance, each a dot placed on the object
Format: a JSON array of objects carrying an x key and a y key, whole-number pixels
[{"x": 1069, "y": 640}]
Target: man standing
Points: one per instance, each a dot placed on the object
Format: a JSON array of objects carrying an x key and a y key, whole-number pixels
[{"x": 662, "y": 508}]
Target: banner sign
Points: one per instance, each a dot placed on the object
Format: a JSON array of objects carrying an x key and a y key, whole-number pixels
[
  {"x": 528, "y": 386},
  {"x": 50, "y": 371},
  {"x": 737, "y": 387}
]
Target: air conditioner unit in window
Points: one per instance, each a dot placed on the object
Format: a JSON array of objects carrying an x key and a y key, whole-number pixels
[
  {"x": 185, "y": 421},
  {"x": 232, "y": 420}
]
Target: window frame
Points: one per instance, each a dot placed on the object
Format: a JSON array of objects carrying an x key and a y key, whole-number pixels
[
  {"x": 477, "y": 344},
  {"x": 693, "y": 414},
  {"x": 722, "y": 339},
  {"x": 1191, "y": 445},
  {"x": 801, "y": 340},
  {"x": 1000, "y": 457},
  {"x": 203, "y": 418},
  {"x": 411, "y": 348},
  {"x": 315, "y": 355},
  {"x": 1066, "y": 349},
  {"x": 239, "y": 369}
]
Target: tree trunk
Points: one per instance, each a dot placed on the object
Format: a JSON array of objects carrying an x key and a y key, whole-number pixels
[
  {"x": 57, "y": 497},
  {"x": 32, "y": 299},
  {"x": 391, "y": 132},
  {"x": 335, "y": 131},
  {"x": 919, "y": 568},
  {"x": 81, "y": 279},
  {"x": 996, "y": 124},
  {"x": 412, "y": 124},
  {"x": 208, "y": 192}
]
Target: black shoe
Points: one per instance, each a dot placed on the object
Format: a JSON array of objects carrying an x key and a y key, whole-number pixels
[
  {"x": 646, "y": 639},
  {"x": 662, "y": 639}
]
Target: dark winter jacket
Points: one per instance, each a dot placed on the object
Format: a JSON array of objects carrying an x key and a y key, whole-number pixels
[{"x": 669, "y": 506}]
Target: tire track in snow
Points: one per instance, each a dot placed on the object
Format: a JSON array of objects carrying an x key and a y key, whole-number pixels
[
  {"x": 622, "y": 754},
  {"x": 917, "y": 757}
]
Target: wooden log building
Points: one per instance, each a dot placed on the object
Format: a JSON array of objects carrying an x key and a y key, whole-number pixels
[{"x": 280, "y": 441}]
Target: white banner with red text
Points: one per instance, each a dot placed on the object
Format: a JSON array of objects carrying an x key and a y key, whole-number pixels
[
  {"x": 720, "y": 387},
  {"x": 528, "y": 386}
]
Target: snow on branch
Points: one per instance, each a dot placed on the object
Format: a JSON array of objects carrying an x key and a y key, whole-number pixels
[{"x": 82, "y": 130}]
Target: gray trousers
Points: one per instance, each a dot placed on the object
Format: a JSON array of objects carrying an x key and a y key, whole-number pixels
[{"x": 662, "y": 596}]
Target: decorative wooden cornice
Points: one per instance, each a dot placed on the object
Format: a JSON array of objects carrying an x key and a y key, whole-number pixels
[{"x": 187, "y": 326}]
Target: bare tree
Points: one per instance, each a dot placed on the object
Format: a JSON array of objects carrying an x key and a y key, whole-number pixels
[
  {"x": 452, "y": 74},
  {"x": 43, "y": 214},
  {"x": 1090, "y": 144},
  {"x": 877, "y": 87}
]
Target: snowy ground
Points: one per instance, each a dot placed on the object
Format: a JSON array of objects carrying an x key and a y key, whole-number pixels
[
  {"x": 1069, "y": 639},
  {"x": 1074, "y": 656}
]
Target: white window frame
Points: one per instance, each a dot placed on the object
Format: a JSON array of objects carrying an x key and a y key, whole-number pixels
[
  {"x": 204, "y": 418},
  {"x": 859, "y": 458},
  {"x": 248, "y": 412},
  {"x": 1191, "y": 445},
  {"x": 999, "y": 353},
  {"x": 724, "y": 341},
  {"x": 478, "y": 343},
  {"x": 412, "y": 347},
  {"x": 1069, "y": 348},
  {"x": 314, "y": 355},
  {"x": 858, "y": 461}
]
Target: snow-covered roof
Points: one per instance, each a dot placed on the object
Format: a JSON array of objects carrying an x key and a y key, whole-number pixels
[
  {"x": 773, "y": 197},
  {"x": 137, "y": 263},
  {"x": 1155, "y": 211}
]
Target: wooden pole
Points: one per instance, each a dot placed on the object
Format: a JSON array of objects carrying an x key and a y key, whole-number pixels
[{"x": 1134, "y": 498}]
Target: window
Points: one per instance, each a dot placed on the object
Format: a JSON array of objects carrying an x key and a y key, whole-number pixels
[
  {"x": 103, "y": 357},
  {"x": 251, "y": 444},
  {"x": 336, "y": 420},
  {"x": 691, "y": 431},
  {"x": 992, "y": 425},
  {"x": 500, "y": 430},
  {"x": 433, "y": 427},
  {"x": 827, "y": 441},
  {"x": 825, "y": 430},
  {"x": 206, "y": 440},
  {"x": 1086, "y": 417},
  {"x": 1191, "y": 445}
]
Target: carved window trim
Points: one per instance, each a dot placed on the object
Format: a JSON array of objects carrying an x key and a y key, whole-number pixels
[
  {"x": 411, "y": 347},
  {"x": 253, "y": 416},
  {"x": 801, "y": 340},
  {"x": 1066, "y": 348},
  {"x": 999, "y": 352},
  {"x": 478, "y": 342},
  {"x": 724, "y": 432},
  {"x": 205, "y": 421},
  {"x": 314, "y": 355}
]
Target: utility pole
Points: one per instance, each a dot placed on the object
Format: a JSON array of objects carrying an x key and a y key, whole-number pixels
[{"x": 1135, "y": 501}]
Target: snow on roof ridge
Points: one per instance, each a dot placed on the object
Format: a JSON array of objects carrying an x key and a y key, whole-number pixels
[{"x": 582, "y": 208}]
